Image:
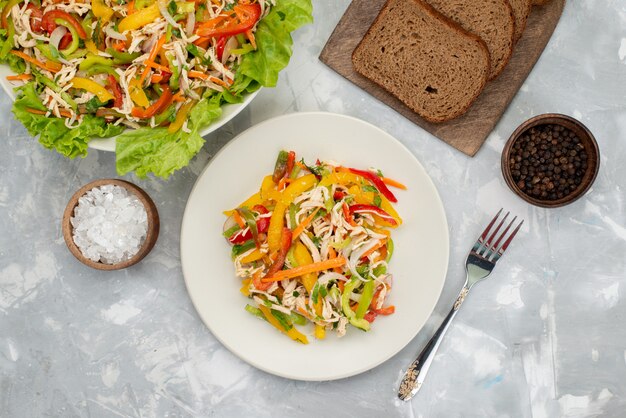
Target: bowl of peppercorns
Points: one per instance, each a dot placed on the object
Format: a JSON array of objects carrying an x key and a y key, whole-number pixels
[{"x": 550, "y": 160}]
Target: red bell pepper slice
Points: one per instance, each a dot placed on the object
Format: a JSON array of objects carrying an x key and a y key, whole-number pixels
[
  {"x": 370, "y": 316},
  {"x": 387, "y": 310},
  {"x": 246, "y": 17},
  {"x": 117, "y": 92},
  {"x": 347, "y": 214},
  {"x": 378, "y": 183},
  {"x": 373, "y": 209},
  {"x": 285, "y": 244},
  {"x": 66, "y": 40},
  {"x": 291, "y": 161},
  {"x": 156, "y": 107},
  {"x": 262, "y": 225},
  {"x": 36, "y": 17},
  {"x": 219, "y": 47},
  {"x": 48, "y": 23}
]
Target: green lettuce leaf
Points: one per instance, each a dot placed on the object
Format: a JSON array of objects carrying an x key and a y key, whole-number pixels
[
  {"x": 150, "y": 150},
  {"x": 16, "y": 63},
  {"x": 53, "y": 134},
  {"x": 274, "y": 43}
]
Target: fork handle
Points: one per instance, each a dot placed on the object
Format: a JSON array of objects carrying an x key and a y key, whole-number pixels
[{"x": 416, "y": 373}]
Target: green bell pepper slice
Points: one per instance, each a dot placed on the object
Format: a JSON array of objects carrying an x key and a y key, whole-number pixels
[
  {"x": 54, "y": 87},
  {"x": 175, "y": 77},
  {"x": 166, "y": 115},
  {"x": 92, "y": 60},
  {"x": 8, "y": 45},
  {"x": 345, "y": 306},
  {"x": 48, "y": 51},
  {"x": 102, "y": 69},
  {"x": 75, "y": 38},
  {"x": 366, "y": 298},
  {"x": 122, "y": 57}
]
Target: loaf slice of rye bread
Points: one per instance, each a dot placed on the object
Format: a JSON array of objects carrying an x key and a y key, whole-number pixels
[
  {"x": 492, "y": 20},
  {"x": 521, "y": 10},
  {"x": 427, "y": 61}
]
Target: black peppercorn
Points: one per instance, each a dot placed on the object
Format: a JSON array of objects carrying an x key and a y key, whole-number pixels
[{"x": 548, "y": 162}]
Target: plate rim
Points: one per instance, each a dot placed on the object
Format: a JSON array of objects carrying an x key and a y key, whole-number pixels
[{"x": 440, "y": 207}]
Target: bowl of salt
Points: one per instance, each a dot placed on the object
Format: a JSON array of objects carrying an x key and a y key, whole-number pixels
[{"x": 110, "y": 224}]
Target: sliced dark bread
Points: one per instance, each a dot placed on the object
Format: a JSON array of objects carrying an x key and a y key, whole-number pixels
[
  {"x": 427, "y": 61},
  {"x": 492, "y": 20},
  {"x": 539, "y": 2},
  {"x": 521, "y": 10}
]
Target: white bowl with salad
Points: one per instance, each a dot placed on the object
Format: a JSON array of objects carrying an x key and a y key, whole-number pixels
[{"x": 149, "y": 76}]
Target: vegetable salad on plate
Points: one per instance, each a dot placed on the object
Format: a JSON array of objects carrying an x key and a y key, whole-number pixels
[
  {"x": 313, "y": 246},
  {"x": 153, "y": 72}
]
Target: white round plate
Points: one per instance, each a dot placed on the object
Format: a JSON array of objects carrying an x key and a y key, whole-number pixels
[
  {"x": 418, "y": 265},
  {"x": 229, "y": 111}
]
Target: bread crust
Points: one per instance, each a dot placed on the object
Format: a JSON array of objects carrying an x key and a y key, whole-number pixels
[
  {"x": 464, "y": 13},
  {"x": 445, "y": 21},
  {"x": 521, "y": 18}
]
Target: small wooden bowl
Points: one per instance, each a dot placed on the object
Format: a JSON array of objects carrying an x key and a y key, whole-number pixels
[
  {"x": 151, "y": 234},
  {"x": 586, "y": 138}
]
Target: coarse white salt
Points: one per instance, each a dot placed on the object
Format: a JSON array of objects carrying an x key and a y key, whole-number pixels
[{"x": 110, "y": 224}]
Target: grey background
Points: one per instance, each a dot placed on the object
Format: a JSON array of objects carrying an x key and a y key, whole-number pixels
[{"x": 543, "y": 338}]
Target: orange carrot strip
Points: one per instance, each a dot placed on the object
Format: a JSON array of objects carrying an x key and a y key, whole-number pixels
[
  {"x": 333, "y": 254},
  {"x": 251, "y": 38},
  {"x": 156, "y": 66},
  {"x": 219, "y": 81},
  {"x": 281, "y": 184},
  {"x": 153, "y": 53},
  {"x": 21, "y": 77},
  {"x": 393, "y": 183},
  {"x": 197, "y": 74},
  {"x": 381, "y": 243},
  {"x": 64, "y": 113},
  {"x": 300, "y": 228},
  {"x": 305, "y": 269},
  {"x": 156, "y": 78},
  {"x": 178, "y": 97},
  {"x": 119, "y": 46},
  {"x": 48, "y": 66},
  {"x": 131, "y": 7},
  {"x": 237, "y": 217}
]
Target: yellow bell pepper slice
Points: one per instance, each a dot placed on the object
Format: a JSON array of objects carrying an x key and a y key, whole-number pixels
[
  {"x": 137, "y": 95},
  {"x": 181, "y": 117},
  {"x": 101, "y": 10},
  {"x": 320, "y": 332},
  {"x": 139, "y": 19},
  {"x": 245, "y": 287},
  {"x": 292, "y": 333},
  {"x": 303, "y": 257},
  {"x": 367, "y": 198},
  {"x": 297, "y": 187},
  {"x": 342, "y": 177},
  {"x": 91, "y": 47},
  {"x": 92, "y": 87},
  {"x": 253, "y": 256},
  {"x": 268, "y": 189},
  {"x": 253, "y": 200}
]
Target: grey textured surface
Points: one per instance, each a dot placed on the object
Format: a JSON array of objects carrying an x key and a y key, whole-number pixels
[{"x": 544, "y": 337}]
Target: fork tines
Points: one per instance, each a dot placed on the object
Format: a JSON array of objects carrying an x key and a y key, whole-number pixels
[{"x": 489, "y": 249}]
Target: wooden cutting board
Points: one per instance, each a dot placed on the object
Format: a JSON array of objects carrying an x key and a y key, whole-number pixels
[{"x": 468, "y": 132}]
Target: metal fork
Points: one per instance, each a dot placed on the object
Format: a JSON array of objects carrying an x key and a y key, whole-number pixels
[{"x": 479, "y": 263}]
